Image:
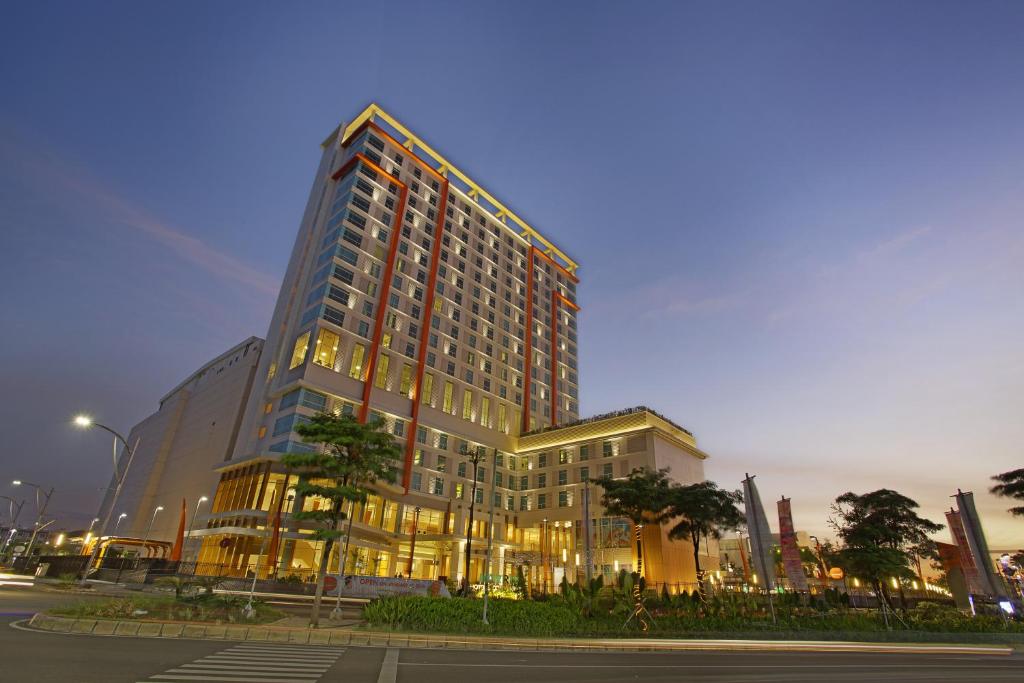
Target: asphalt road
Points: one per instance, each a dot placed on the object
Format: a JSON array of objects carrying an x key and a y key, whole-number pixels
[{"x": 39, "y": 657}]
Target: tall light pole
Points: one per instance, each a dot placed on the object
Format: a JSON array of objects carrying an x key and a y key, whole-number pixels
[
  {"x": 490, "y": 535},
  {"x": 119, "y": 476},
  {"x": 475, "y": 457},
  {"x": 15, "y": 512},
  {"x": 40, "y": 510},
  {"x": 412, "y": 539},
  {"x": 195, "y": 513},
  {"x": 149, "y": 529},
  {"x": 120, "y": 517}
]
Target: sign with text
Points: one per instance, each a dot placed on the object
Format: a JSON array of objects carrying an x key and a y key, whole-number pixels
[{"x": 377, "y": 586}]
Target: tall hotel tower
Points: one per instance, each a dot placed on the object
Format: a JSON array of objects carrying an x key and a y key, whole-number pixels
[{"x": 416, "y": 297}]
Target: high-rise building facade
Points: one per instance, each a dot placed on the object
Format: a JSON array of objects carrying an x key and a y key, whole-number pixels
[{"x": 415, "y": 297}]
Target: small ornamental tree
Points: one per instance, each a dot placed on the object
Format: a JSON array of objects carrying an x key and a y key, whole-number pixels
[
  {"x": 642, "y": 498},
  {"x": 703, "y": 510},
  {"x": 351, "y": 457},
  {"x": 1011, "y": 485},
  {"x": 882, "y": 536}
]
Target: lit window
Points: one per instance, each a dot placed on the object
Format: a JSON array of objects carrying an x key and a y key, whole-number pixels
[
  {"x": 448, "y": 390},
  {"x": 467, "y": 405},
  {"x": 355, "y": 370},
  {"x": 502, "y": 418},
  {"x": 406, "y": 382},
  {"x": 326, "y": 351},
  {"x": 485, "y": 411},
  {"x": 427, "y": 389},
  {"x": 382, "y": 371},
  {"x": 299, "y": 352}
]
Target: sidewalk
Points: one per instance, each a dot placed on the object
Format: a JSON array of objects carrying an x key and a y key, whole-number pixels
[{"x": 343, "y": 635}]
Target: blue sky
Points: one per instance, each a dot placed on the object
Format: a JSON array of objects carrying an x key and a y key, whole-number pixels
[{"x": 799, "y": 224}]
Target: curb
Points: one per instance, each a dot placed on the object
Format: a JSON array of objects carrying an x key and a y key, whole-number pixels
[{"x": 305, "y": 636}]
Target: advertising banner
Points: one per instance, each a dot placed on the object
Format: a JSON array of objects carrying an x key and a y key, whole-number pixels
[
  {"x": 790, "y": 550},
  {"x": 376, "y": 586},
  {"x": 965, "y": 559},
  {"x": 760, "y": 534}
]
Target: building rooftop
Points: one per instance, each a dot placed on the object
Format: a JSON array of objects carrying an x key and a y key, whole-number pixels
[
  {"x": 608, "y": 425},
  {"x": 456, "y": 178}
]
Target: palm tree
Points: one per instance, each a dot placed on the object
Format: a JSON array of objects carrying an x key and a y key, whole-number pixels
[
  {"x": 642, "y": 498},
  {"x": 703, "y": 510},
  {"x": 1011, "y": 485}
]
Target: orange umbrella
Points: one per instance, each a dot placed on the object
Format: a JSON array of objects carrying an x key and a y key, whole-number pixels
[{"x": 179, "y": 540}]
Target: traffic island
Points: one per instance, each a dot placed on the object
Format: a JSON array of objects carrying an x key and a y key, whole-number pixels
[{"x": 347, "y": 636}]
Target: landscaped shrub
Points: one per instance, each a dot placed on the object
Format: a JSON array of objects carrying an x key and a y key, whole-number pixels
[{"x": 730, "y": 616}]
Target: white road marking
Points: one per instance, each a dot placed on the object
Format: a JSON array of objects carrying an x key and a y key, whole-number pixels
[
  {"x": 389, "y": 667},
  {"x": 256, "y": 663}
]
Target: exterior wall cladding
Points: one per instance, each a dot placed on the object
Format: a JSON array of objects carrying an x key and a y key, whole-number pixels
[{"x": 415, "y": 297}]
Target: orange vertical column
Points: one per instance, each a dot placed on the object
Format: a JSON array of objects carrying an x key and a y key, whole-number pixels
[
  {"x": 385, "y": 289},
  {"x": 529, "y": 341},
  {"x": 435, "y": 258}
]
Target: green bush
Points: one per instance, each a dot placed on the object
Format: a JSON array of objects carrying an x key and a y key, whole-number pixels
[
  {"x": 461, "y": 615},
  {"x": 728, "y": 616}
]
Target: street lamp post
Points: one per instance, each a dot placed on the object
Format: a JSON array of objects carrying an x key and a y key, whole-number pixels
[
  {"x": 412, "y": 539},
  {"x": 475, "y": 457},
  {"x": 40, "y": 510},
  {"x": 15, "y": 512},
  {"x": 195, "y": 513},
  {"x": 490, "y": 535},
  {"x": 119, "y": 477},
  {"x": 149, "y": 529}
]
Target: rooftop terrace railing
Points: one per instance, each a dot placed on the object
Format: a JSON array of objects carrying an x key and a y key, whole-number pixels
[{"x": 608, "y": 416}]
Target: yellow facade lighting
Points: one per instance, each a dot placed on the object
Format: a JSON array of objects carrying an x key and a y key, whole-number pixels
[{"x": 373, "y": 113}]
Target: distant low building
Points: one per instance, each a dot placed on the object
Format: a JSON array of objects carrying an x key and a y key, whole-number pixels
[{"x": 179, "y": 446}]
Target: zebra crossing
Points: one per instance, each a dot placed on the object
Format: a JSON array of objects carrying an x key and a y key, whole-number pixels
[{"x": 252, "y": 662}]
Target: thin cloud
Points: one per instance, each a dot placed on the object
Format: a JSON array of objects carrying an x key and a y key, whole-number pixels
[{"x": 49, "y": 168}]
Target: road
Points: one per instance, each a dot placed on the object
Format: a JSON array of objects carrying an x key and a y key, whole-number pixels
[{"x": 60, "y": 658}]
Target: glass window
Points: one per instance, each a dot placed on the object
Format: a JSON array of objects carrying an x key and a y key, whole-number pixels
[
  {"x": 299, "y": 351},
  {"x": 427, "y": 389},
  {"x": 406, "y": 381},
  {"x": 485, "y": 411},
  {"x": 355, "y": 370},
  {"x": 449, "y": 388},
  {"x": 325, "y": 352},
  {"x": 467, "y": 405},
  {"x": 382, "y": 371}
]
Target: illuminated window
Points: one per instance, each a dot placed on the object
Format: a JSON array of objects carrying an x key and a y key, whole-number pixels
[
  {"x": 406, "y": 383},
  {"x": 267, "y": 408},
  {"x": 485, "y": 411},
  {"x": 261, "y": 433},
  {"x": 386, "y": 340},
  {"x": 427, "y": 389},
  {"x": 299, "y": 352},
  {"x": 325, "y": 352},
  {"x": 467, "y": 405},
  {"x": 417, "y": 457},
  {"x": 502, "y": 418},
  {"x": 382, "y": 371},
  {"x": 458, "y": 490},
  {"x": 355, "y": 370},
  {"x": 448, "y": 390}
]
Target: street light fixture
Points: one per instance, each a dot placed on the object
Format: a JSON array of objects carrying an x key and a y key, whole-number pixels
[
  {"x": 202, "y": 499},
  {"x": 86, "y": 422},
  {"x": 119, "y": 518},
  {"x": 149, "y": 529},
  {"x": 40, "y": 510},
  {"x": 475, "y": 457},
  {"x": 15, "y": 512}
]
